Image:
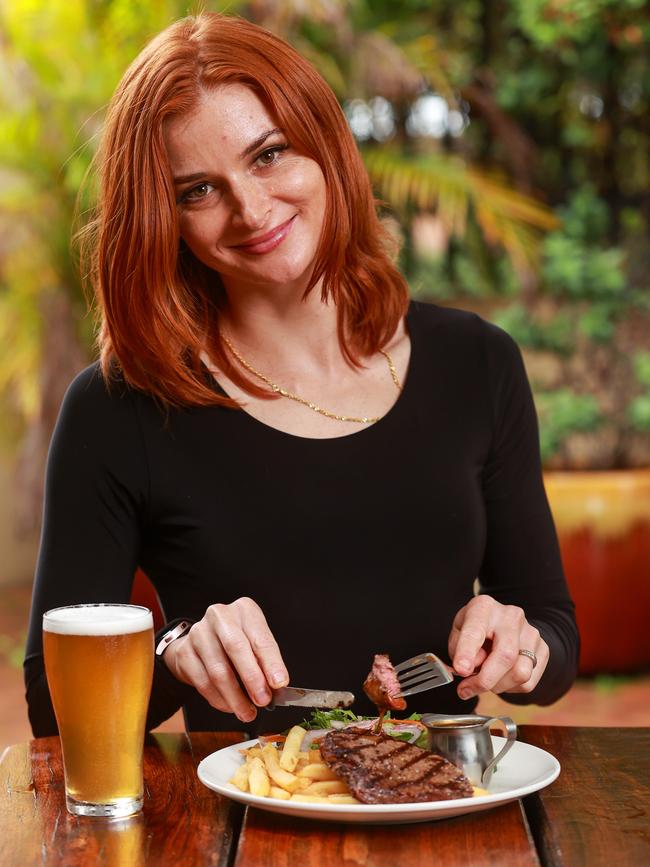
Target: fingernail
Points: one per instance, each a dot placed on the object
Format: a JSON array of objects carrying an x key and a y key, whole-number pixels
[
  {"x": 262, "y": 698},
  {"x": 465, "y": 693},
  {"x": 247, "y": 716},
  {"x": 278, "y": 678},
  {"x": 462, "y": 663}
]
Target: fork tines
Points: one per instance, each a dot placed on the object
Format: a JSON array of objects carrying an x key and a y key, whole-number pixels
[{"x": 422, "y": 672}]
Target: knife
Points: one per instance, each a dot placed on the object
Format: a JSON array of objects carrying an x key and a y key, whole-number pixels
[{"x": 293, "y": 696}]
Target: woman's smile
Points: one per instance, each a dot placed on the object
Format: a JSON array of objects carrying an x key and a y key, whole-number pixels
[{"x": 268, "y": 242}]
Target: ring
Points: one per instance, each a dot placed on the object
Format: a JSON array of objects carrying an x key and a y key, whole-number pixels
[{"x": 530, "y": 655}]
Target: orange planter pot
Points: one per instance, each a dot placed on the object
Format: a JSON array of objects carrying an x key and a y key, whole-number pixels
[{"x": 603, "y": 523}]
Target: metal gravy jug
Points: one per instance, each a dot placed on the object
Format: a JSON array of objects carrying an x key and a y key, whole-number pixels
[{"x": 465, "y": 741}]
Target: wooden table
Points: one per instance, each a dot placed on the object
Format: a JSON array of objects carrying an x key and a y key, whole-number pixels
[{"x": 596, "y": 813}]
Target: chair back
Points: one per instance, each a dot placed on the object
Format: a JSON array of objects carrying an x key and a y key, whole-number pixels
[{"x": 144, "y": 593}]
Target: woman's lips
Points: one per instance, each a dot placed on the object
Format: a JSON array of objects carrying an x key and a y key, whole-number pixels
[{"x": 271, "y": 242}]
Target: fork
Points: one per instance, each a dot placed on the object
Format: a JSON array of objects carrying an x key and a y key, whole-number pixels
[{"x": 422, "y": 672}]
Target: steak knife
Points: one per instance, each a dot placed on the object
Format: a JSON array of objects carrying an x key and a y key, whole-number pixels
[{"x": 294, "y": 696}]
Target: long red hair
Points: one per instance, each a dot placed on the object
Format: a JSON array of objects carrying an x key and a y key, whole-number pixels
[{"x": 158, "y": 305}]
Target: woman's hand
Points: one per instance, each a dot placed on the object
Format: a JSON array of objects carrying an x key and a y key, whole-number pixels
[
  {"x": 484, "y": 646},
  {"x": 230, "y": 642}
]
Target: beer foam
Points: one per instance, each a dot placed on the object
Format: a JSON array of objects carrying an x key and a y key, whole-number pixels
[{"x": 97, "y": 620}]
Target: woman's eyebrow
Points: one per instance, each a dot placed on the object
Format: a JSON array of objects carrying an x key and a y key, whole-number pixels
[
  {"x": 195, "y": 176},
  {"x": 258, "y": 141},
  {"x": 186, "y": 179}
]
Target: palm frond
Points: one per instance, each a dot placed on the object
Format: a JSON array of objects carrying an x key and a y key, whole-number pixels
[{"x": 445, "y": 184}]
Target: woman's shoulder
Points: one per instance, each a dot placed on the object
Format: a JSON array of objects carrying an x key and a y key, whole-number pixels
[
  {"x": 463, "y": 330},
  {"x": 91, "y": 388},
  {"x": 100, "y": 404},
  {"x": 88, "y": 385}
]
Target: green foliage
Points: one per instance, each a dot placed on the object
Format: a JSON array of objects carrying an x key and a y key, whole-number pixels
[
  {"x": 585, "y": 216},
  {"x": 551, "y": 24},
  {"x": 574, "y": 268},
  {"x": 430, "y": 279},
  {"x": 561, "y": 413},
  {"x": 639, "y": 408},
  {"x": 574, "y": 262},
  {"x": 59, "y": 63},
  {"x": 597, "y": 323},
  {"x": 591, "y": 293},
  {"x": 641, "y": 362},
  {"x": 639, "y": 413},
  {"x": 323, "y": 719},
  {"x": 467, "y": 274},
  {"x": 555, "y": 335}
]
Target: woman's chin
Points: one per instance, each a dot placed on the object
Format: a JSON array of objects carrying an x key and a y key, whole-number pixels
[{"x": 283, "y": 279}]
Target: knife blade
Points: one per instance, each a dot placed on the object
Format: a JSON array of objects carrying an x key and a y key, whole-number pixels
[{"x": 294, "y": 696}]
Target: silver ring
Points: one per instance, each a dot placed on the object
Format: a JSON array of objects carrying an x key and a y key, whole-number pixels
[{"x": 530, "y": 655}]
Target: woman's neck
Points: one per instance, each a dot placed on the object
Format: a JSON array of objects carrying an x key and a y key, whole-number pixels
[{"x": 285, "y": 331}]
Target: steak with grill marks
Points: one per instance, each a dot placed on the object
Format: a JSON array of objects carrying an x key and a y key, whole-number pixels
[{"x": 382, "y": 770}]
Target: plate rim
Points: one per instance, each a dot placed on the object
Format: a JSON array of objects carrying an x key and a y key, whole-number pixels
[{"x": 412, "y": 808}]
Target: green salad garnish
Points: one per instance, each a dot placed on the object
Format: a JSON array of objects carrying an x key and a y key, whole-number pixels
[{"x": 323, "y": 719}]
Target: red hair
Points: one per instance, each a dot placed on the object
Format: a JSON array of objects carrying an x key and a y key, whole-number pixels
[{"x": 158, "y": 305}]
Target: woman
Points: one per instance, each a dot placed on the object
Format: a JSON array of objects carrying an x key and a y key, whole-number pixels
[{"x": 309, "y": 468}]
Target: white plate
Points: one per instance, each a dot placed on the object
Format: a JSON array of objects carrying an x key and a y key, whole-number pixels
[{"x": 523, "y": 770}]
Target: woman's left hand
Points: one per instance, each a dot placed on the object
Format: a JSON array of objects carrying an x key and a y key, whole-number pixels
[{"x": 484, "y": 646}]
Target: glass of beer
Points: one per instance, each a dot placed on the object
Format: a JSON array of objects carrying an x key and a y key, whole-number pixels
[{"x": 99, "y": 667}]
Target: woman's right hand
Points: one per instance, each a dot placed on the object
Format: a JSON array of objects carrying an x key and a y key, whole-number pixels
[{"x": 231, "y": 641}]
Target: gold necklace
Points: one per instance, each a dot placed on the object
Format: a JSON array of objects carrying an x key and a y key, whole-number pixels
[{"x": 313, "y": 406}]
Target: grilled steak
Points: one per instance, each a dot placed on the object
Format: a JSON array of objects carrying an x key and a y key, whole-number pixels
[
  {"x": 381, "y": 770},
  {"x": 382, "y": 686}
]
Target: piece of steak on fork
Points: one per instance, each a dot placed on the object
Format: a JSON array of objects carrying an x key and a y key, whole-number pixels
[
  {"x": 382, "y": 686},
  {"x": 382, "y": 770}
]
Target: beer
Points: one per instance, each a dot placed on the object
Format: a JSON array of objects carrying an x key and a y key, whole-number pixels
[{"x": 99, "y": 666}]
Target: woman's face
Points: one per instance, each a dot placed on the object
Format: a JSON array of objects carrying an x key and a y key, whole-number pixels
[{"x": 250, "y": 206}]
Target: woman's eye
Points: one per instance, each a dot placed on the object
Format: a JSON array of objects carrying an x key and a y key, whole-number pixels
[
  {"x": 200, "y": 191},
  {"x": 268, "y": 156}
]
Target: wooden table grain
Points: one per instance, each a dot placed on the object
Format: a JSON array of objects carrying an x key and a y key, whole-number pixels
[
  {"x": 182, "y": 822},
  {"x": 277, "y": 841},
  {"x": 596, "y": 813}
]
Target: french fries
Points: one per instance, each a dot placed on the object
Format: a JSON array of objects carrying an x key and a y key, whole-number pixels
[
  {"x": 327, "y": 787},
  {"x": 288, "y": 773},
  {"x": 258, "y": 779},
  {"x": 283, "y": 779},
  {"x": 317, "y": 771},
  {"x": 240, "y": 778},
  {"x": 289, "y": 754},
  {"x": 330, "y": 799}
]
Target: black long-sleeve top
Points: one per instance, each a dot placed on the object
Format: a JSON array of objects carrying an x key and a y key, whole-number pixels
[{"x": 367, "y": 542}]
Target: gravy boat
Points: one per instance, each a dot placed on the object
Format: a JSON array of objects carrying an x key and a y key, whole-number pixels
[{"x": 465, "y": 741}]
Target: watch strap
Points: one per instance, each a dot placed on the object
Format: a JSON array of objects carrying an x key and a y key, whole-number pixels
[{"x": 178, "y": 631}]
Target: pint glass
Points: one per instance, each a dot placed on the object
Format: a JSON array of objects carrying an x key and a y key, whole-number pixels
[{"x": 99, "y": 667}]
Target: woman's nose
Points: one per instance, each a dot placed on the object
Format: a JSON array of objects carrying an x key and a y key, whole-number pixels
[{"x": 251, "y": 203}]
